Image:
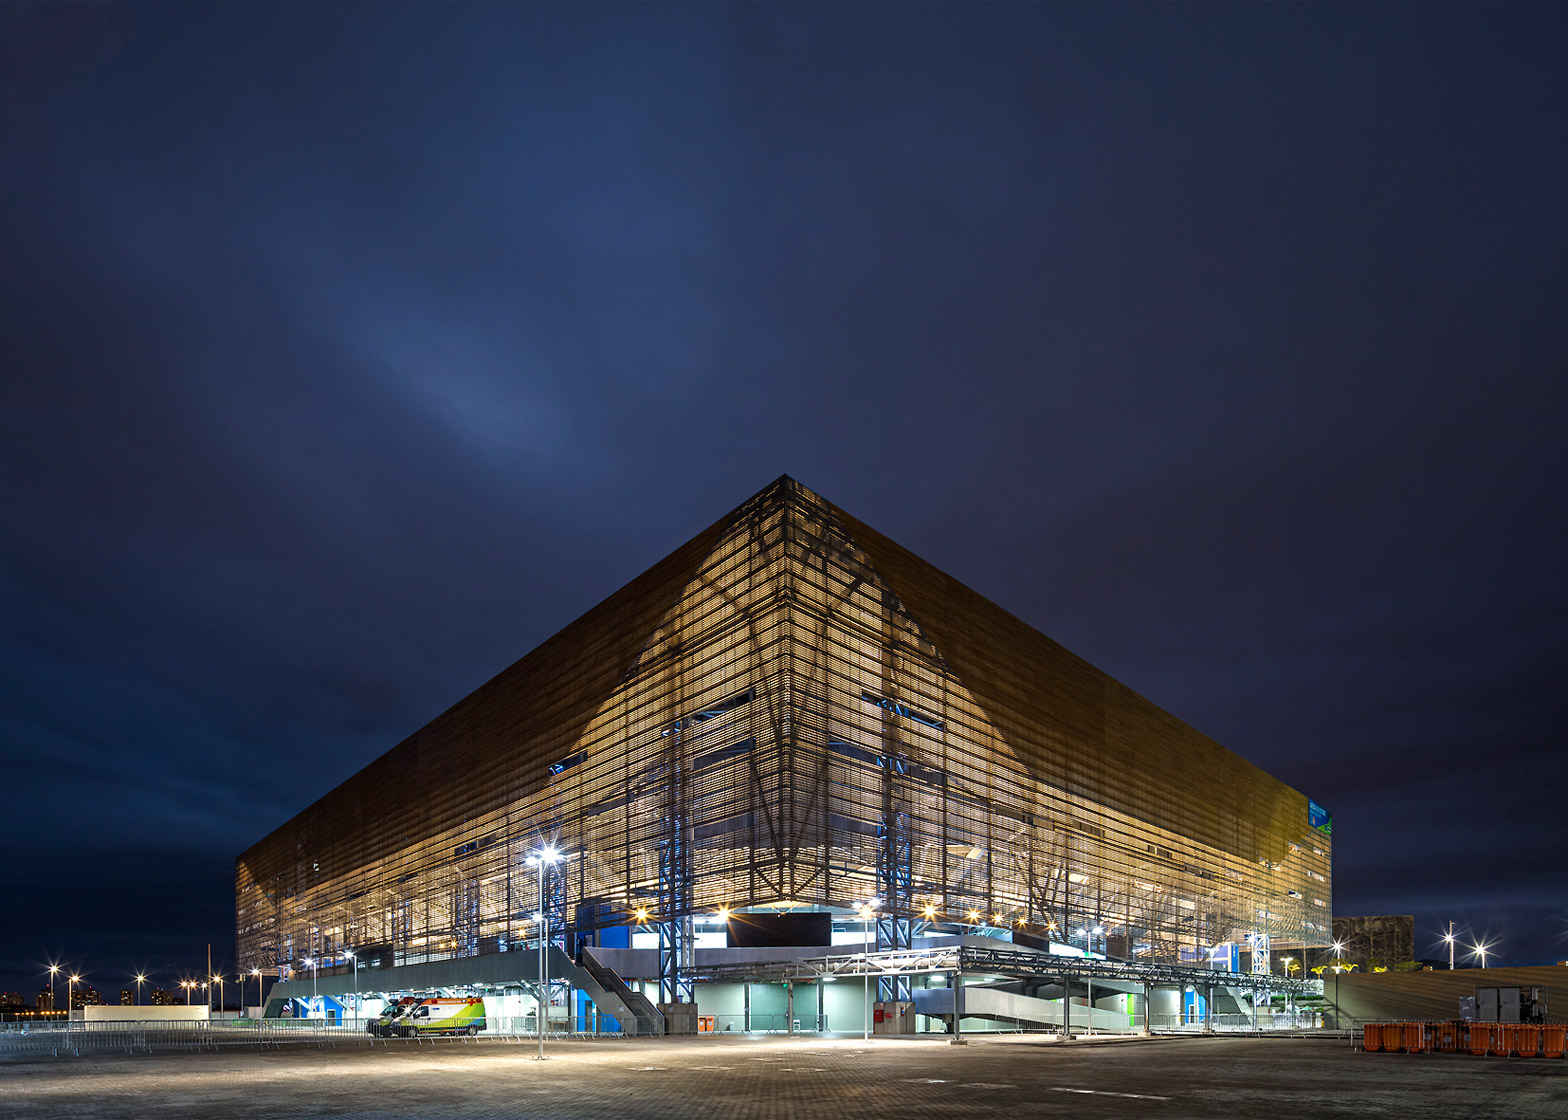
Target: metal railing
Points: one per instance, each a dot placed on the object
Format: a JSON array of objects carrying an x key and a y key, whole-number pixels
[{"x": 145, "y": 1036}]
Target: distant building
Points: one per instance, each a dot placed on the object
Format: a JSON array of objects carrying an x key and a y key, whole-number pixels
[
  {"x": 85, "y": 997},
  {"x": 127, "y": 998},
  {"x": 45, "y": 1002},
  {"x": 11, "y": 1001},
  {"x": 160, "y": 997},
  {"x": 1370, "y": 942}
]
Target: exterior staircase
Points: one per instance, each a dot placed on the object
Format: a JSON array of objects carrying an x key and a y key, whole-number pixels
[{"x": 635, "y": 1011}]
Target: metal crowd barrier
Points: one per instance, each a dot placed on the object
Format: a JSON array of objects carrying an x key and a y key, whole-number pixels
[{"x": 145, "y": 1036}]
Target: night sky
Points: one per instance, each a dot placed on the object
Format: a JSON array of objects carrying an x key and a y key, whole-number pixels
[{"x": 346, "y": 353}]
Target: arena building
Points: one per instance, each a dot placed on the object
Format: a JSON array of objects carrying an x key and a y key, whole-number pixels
[{"x": 792, "y": 734}]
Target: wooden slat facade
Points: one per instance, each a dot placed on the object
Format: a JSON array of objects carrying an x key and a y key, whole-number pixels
[{"x": 805, "y": 707}]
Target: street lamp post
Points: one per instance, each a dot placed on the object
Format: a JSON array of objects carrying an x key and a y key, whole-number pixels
[
  {"x": 541, "y": 859},
  {"x": 314, "y": 969},
  {"x": 186, "y": 984},
  {"x": 1449, "y": 938},
  {"x": 868, "y": 911},
  {"x": 141, "y": 978},
  {"x": 1480, "y": 951},
  {"x": 54, "y": 970},
  {"x": 349, "y": 953},
  {"x": 1339, "y": 951},
  {"x": 219, "y": 979},
  {"x": 256, "y": 972},
  {"x": 75, "y": 980}
]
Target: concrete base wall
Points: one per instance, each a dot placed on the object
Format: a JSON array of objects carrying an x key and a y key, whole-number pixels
[
  {"x": 178, "y": 1014},
  {"x": 1422, "y": 996}
]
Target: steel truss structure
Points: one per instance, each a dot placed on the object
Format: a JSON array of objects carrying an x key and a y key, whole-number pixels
[
  {"x": 1010, "y": 964},
  {"x": 793, "y": 712}
]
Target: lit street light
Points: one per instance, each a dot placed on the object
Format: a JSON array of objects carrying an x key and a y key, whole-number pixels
[
  {"x": 541, "y": 859},
  {"x": 1480, "y": 949},
  {"x": 868, "y": 911},
  {"x": 311, "y": 962},
  {"x": 54, "y": 971},
  {"x": 1449, "y": 938},
  {"x": 256, "y": 972},
  {"x": 141, "y": 979},
  {"x": 1339, "y": 951},
  {"x": 70, "y": 993},
  {"x": 219, "y": 980}
]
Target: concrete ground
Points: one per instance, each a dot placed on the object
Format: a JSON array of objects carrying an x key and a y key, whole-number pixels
[{"x": 736, "y": 1078}]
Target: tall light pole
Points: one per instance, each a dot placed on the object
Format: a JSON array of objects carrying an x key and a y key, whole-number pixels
[
  {"x": 541, "y": 859},
  {"x": 256, "y": 972},
  {"x": 54, "y": 970},
  {"x": 219, "y": 979},
  {"x": 868, "y": 911},
  {"x": 141, "y": 978},
  {"x": 75, "y": 980},
  {"x": 349, "y": 953},
  {"x": 1480, "y": 950},
  {"x": 1449, "y": 937},
  {"x": 186, "y": 984},
  {"x": 1339, "y": 951},
  {"x": 313, "y": 971}
]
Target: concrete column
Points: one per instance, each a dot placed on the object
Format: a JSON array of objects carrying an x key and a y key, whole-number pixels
[
  {"x": 1148, "y": 1010},
  {"x": 746, "y": 1005},
  {"x": 958, "y": 1008},
  {"x": 789, "y": 1007}
]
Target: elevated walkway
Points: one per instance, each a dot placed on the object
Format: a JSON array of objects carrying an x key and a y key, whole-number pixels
[
  {"x": 1010, "y": 1008},
  {"x": 497, "y": 970},
  {"x": 1005, "y": 963}
]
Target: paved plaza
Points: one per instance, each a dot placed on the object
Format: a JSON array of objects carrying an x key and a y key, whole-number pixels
[{"x": 738, "y": 1078}]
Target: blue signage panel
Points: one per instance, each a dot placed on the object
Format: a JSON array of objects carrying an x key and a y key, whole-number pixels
[{"x": 1320, "y": 818}]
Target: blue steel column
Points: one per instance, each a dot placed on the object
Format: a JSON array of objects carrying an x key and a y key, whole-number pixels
[
  {"x": 895, "y": 886},
  {"x": 676, "y": 885}
]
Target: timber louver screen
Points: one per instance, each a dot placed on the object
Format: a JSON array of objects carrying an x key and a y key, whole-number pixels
[{"x": 791, "y": 709}]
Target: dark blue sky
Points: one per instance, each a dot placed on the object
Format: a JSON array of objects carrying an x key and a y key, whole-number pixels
[{"x": 348, "y": 352}]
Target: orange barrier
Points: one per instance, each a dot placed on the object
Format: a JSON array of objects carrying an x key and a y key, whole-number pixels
[
  {"x": 1521, "y": 1040},
  {"x": 1456, "y": 1036},
  {"x": 1486, "y": 1038},
  {"x": 1452, "y": 1036}
]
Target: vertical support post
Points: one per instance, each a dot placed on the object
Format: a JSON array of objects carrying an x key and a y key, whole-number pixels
[
  {"x": 1067, "y": 1009},
  {"x": 676, "y": 932},
  {"x": 1090, "y": 1002},
  {"x": 958, "y": 1003},
  {"x": 789, "y": 1007},
  {"x": 1148, "y": 1010},
  {"x": 745, "y": 995},
  {"x": 1208, "y": 1009},
  {"x": 543, "y": 1001},
  {"x": 895, "y": 879}
]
